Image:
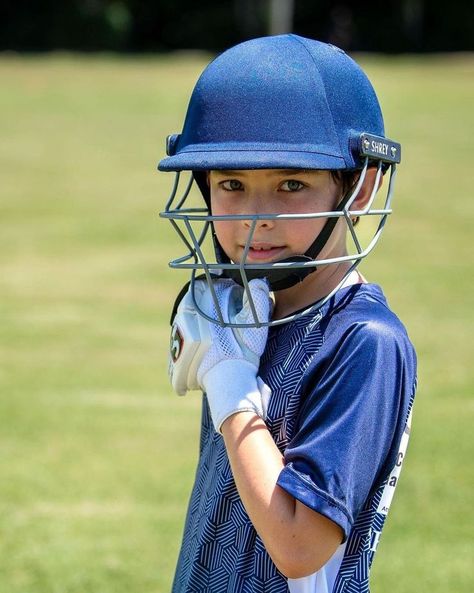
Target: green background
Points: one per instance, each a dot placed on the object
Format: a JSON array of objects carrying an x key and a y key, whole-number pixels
[{"x": 97, "y": 456}]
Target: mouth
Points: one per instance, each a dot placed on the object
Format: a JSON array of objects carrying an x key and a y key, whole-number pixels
[{"x": 259, "y": 252}]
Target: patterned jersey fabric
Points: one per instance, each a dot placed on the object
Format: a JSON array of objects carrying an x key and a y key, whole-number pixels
[{"x": 342, "y": 384}]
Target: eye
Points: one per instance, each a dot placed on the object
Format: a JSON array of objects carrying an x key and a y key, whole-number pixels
[
  {"x": 231, "y": 185},
  {"x": 292, "y": 185}
]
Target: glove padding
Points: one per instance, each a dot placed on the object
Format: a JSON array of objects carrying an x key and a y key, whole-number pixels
[
  {"x": 190, "y": 340},
  {"x": 220, "y": 360}
]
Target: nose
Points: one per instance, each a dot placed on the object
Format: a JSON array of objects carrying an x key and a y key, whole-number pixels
[{"x": 259, "y": 203}]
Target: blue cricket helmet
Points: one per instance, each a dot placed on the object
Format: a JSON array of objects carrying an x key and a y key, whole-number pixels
[
  {"x": 277, "y": 102},
  {"x": 283, "y": 102}
]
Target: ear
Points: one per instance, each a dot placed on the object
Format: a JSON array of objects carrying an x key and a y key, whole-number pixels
[{"x": 366, "y": 189}]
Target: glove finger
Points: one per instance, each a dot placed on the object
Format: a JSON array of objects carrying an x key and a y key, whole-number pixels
[
  {"x": 253, "y": 339},
  {"x": 260, "y": 297}
]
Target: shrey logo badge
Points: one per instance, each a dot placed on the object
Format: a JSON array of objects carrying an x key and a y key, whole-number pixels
[{"x": 176, "y": 343}]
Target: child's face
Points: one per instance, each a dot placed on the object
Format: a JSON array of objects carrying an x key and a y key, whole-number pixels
[{"x": 274, "y": 191}]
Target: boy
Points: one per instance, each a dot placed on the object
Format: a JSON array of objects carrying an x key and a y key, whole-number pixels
[{"x": 308, "y": 377}]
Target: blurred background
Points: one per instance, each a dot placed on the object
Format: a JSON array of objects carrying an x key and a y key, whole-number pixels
[
  {"x": 97, "y": 456},
  {"x": 165, "y": 25}
]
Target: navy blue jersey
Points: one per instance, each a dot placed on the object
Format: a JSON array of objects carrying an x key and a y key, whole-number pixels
[{"x": 342, "y": 384}]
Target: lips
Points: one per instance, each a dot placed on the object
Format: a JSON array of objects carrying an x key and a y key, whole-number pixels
[{"x": 264, "y": 252}]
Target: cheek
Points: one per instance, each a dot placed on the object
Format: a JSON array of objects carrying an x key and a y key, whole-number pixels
[
  {"x": 221, "y": 204},
  {"x": 224, "y": 233},
  {"x": 224, "y": 229},
  {"x": 301, "y": 233}
]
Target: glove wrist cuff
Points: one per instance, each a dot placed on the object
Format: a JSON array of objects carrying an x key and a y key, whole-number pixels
[{"x": 231, "y": 386}]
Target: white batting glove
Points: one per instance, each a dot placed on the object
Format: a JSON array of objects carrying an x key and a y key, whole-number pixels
[
  {"x": 221, "y": 361},
  {"x": 228, "y": 370}
]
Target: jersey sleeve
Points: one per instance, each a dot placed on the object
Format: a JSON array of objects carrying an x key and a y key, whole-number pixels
[{"x": 355, "y": 398}]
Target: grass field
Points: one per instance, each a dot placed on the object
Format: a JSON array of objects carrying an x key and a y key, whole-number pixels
[{"x": 97, "y": 456}]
